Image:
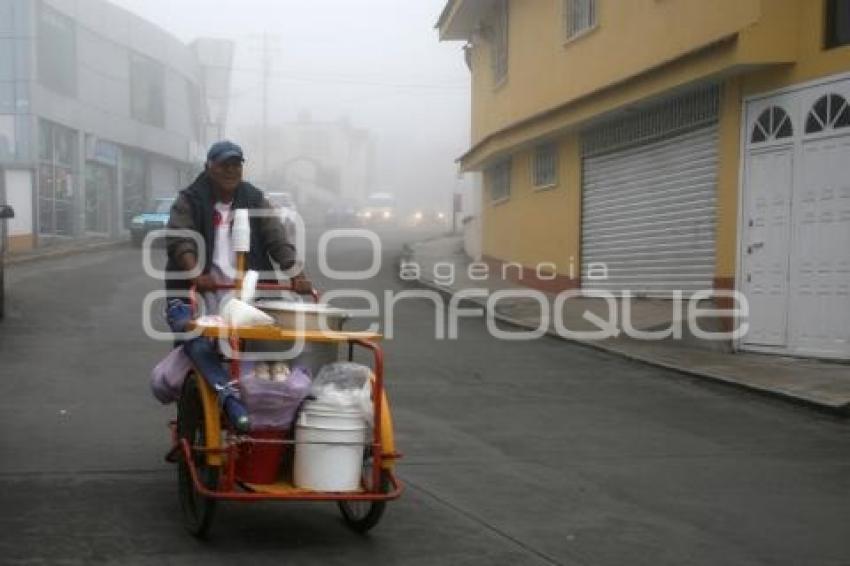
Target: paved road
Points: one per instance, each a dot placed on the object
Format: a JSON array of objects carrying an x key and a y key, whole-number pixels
[{"x": 516, "y": 453}]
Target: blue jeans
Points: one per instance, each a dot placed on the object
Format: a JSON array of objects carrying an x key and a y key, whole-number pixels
[{"x": 205, "y": 357}]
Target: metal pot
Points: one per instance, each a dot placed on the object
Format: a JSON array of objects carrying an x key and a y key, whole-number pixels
[{"x": 302, "y": 316}]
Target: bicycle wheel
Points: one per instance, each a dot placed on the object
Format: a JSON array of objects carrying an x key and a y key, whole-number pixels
[
  {"x": 361, "y": 516},
  {"x": 198, "y": 510}
]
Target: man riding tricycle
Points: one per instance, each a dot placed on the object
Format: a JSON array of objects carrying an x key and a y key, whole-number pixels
[{"x": 270, "y": 402}]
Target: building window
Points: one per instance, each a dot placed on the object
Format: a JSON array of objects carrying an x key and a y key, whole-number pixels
[
  {"x": 579, "y": 16},
  {"x": 499, "y": 43},
  {"x": 147, "y": 90},
  {"x": 544, "y": 168},
  {"x": 134, "y": 176},
  {"x": 499, "y": 177},
  {"x": 828, "y": 112},
  {"x": 57, "y": 156},
  {"x": 772, "y": 124},
  {"x": 837, "y": 23},
  {"x": 57, "y": 47}
]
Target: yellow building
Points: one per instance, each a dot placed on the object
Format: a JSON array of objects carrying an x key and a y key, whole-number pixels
[{"x": 663, "y": 145}]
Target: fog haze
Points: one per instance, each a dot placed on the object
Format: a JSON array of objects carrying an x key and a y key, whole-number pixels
[{"x": 376, "y": 63}]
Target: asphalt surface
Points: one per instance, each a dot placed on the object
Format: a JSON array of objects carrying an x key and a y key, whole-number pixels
[{"x": 537, "y": 452}]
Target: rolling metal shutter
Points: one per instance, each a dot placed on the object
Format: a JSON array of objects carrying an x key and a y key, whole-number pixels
[{"x": 649, "y": 208}]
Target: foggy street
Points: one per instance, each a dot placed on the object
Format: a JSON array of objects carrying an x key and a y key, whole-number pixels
[
  {"x": 514, "y": 453},
  {"x": 508, "y": 282}
]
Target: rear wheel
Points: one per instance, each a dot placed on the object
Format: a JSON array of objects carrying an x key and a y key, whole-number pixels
[
  {"x": 361, "y": 516},
  {"x": 198, "y": 510}
]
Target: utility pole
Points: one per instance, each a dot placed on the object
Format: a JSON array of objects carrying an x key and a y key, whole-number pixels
[{"x": 266, "y": 77}]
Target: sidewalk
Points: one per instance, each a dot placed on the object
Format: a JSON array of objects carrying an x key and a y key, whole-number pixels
[
  {"x": 821, "y": 384},
  {"x": 62, "y": 249}
]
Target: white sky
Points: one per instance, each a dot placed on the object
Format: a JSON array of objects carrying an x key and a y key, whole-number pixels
[{"x": 377, "y": 62}]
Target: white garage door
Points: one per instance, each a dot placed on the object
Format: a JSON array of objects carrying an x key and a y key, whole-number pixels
[
  {"x": 648, "y": 211},
  {"x": 795, "y": 259}
]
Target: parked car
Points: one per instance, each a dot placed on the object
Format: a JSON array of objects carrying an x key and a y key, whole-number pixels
[
  {"x": 156, "y": 219},
  {"x": 380, "y": 209},
  {"x": 6, "y": 212}
]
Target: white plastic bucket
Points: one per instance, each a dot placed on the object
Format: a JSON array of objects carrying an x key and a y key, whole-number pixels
[{"x": 329, "y": 467}]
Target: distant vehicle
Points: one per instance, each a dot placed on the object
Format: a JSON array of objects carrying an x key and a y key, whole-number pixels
[
  {"x": 379, "y": 209},
  {"x": 156, "y": 219},
  {"x": 424, "y": 218},
  {"x": 6, "y": 212},
  {"x": 342, "y": 214}
]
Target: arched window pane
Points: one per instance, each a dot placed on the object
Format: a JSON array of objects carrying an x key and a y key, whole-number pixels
[
  {"x": 820, "y": 109},
  {"x": 785, "y": 129},
  {"x": 843, "y": 120},
  {"x": 758, "y": 135},
  {"x": 835, "y": 104},
  {"x": 813, "y": 125},
  {"x": 764, "y": 121},
  {"x": 778, "y": 115}
]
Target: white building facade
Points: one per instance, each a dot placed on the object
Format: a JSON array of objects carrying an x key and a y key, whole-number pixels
[{"x": 100, "y": 111}]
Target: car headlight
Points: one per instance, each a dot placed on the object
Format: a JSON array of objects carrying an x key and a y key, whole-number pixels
[
  {"x": 387, "y": 214},
  {"x": 441, "y": 216},
  {"x": 418, "y": 216},
  {"x": 367, "y": 214},
  {"x": 138, "y": 221}
]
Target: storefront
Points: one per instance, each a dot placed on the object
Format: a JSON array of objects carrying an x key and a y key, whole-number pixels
[
  {"x": 56, "y": 179},
  {"x": 102, "y": 194}
]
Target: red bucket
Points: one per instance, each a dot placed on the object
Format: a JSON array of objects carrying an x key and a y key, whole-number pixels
[{"x": 259, "y": 462}]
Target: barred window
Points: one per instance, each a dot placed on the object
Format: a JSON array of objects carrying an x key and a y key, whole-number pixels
[
  {"x": 545, "y": 165},
  {"x": 499, "y": 42},
  {"x": 579, "y": 16},
  {"x": 837, "y": 23},
  {"x": 499, "y": 177}
]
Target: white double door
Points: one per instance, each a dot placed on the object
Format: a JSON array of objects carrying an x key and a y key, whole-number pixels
[{"x": 795, "y": 237}]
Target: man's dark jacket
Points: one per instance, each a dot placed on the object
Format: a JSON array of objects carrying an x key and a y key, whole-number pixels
[{"x": 193, "y": 210}]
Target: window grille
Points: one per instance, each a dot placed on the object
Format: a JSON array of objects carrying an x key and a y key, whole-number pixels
[
  {"x": 499, "y": 176},
  {"x": 545, "y": 165},
  {"x": 672, "y": 116},
  {"x": 499, "y": 42},
  {"x": 579, "y": 15}
]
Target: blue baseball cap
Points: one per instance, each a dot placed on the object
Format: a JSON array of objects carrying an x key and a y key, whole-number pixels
[{"x": 223, "y": 150}]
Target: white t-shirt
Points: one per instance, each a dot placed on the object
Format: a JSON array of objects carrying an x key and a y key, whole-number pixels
[
  {"x": 223, "y": 268},
  {"x": 224, "y": 258}
]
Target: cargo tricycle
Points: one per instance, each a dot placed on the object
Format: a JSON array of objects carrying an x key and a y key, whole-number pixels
[{"x": 216, "y": 463}]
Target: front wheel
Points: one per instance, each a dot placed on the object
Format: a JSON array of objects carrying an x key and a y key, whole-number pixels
[
  {"x": 361, "y": 516},
  {"x": 198, "y": 510}
]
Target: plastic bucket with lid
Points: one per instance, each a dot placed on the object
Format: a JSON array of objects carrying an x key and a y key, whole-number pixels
[
  {"x": 259, "y": 462},
  {"x": 337, "y": 465}
]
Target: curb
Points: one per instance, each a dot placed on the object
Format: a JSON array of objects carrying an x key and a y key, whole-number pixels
[
  {"x": 49, "y": 254},
  {"x": 842, "y": 410}
]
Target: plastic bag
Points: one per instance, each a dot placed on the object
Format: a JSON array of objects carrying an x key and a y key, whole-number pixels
[
  {"x": 274, "y": 404},
  {"x": 169, "y": 374},
  {"x": 345, "y": 384},
  {"x": 343, "y": 376}
]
